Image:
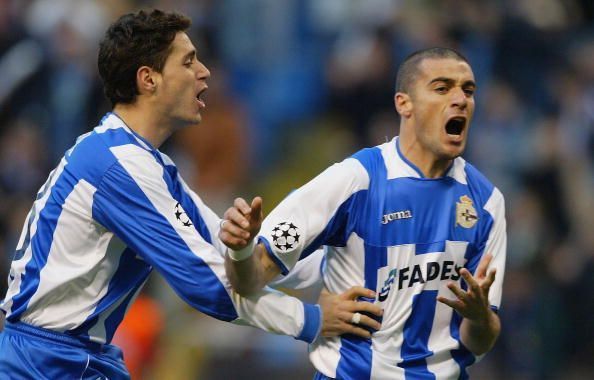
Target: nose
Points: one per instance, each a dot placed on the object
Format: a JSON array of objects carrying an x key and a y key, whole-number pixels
[
  {"x": 459, "y": 98},
  {"x": 203, "y": 72}
]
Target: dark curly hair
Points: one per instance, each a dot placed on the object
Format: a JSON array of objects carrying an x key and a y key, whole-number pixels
[{"x": 135, "y": 40}]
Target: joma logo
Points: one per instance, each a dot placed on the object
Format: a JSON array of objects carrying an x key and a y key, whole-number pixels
[{"x": 405, "y": 214}]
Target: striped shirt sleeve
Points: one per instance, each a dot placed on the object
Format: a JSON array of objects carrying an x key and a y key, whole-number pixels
[{"x": 313, "y": 215}]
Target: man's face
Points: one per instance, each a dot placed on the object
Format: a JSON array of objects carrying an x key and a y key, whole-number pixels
[
  {"x": 183, "y": 80},
  {"x": 442, "y": 98}
]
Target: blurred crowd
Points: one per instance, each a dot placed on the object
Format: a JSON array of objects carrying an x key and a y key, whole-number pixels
[{"x": 299, "y": 84}]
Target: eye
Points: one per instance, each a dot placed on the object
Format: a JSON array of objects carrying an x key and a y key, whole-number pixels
[
  {"x": 469, "y": 91},
  {"x": 441, "y": 90}
]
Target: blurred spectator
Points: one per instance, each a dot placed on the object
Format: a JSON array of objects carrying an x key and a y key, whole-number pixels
[
  {"x": 299, "y": 84},
  {"x": 138, "y": 336},
  {"x": 217, "y": 150}
]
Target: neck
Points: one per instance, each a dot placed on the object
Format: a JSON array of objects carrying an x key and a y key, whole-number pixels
[
  {"x": 145, "y": 123},
  {"x": 426, "y": 161}
]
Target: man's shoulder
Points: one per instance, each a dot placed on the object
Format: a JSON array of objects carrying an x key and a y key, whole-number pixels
[
  {"x": 371, "y": 158},
  {"x": 89, "y": 158},
  {"x": 479, "y": 183},
  {"x": 95, "y": 152},
  {"x": 475, "y": 177}
]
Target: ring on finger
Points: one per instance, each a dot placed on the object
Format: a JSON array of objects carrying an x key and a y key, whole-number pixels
[
  {"x": 222, "y": 223},
  {"x": 356, "y": 318}
]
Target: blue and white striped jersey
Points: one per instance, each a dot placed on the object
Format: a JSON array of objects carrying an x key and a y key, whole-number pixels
[
  {"x": 388, "y": 228},
  {"x": 114, "y": 209}
]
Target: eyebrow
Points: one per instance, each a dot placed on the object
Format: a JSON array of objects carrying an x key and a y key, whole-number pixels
[
  {"x": 451, "y": 82},
  {"x": 190, "y": 54}
]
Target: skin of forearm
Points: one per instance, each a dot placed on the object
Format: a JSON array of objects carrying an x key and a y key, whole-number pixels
[
  {"x": 252, "y": 274},
  {"x": 243, "y": 275},
  {"x": 480, "y": 336}
]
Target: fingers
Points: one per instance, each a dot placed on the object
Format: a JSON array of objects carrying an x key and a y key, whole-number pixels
[
  {"x": 471, "y": 281},
  {"x": 235, "y": 216},
  {"x": 486, "y": 285},
  {"x": 461, "y": 294},
  {"x": 369, "y": 322},
  {"x": 233, "y": 236},
  {"x": 233, "y": 229},
  {"x": 481, "y": 270},
  {"x": 361, "y": 332},
  {"x": 233, "y": 242},
  {"x": 242, "y": 206},
  {"x": 355, "y": 292},
  {"x": 454, "y": 304},
  {"x": 366, "y": 307}
]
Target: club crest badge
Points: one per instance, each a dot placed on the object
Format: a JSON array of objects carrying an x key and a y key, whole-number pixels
[{"x": 466, "y": 215}]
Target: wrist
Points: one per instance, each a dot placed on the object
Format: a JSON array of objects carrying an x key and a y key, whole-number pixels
[
  {"x": 312, "y": 323},
  {"x": 243, "y": 253},
  {"x": 485, "y": 319}
]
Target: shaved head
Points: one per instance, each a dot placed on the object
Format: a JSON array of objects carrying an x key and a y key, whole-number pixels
[{"x": 409, "y": 68}]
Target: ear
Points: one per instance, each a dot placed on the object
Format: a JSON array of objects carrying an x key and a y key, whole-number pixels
[
  {"x": 403, "y": 104},
  {"x": 146, "y": 80}
]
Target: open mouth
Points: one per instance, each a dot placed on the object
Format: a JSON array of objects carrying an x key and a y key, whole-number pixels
[
  {"x": 200, "y": 97},
  {"x": 455, "y": 126}
]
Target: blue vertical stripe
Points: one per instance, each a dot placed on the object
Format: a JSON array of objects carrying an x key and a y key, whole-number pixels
[
  {"x": 355, "y": 352},
  {"x": 19, "y": 253},
  {"x": 461, "y": 355},
  {"x": 417, "y": 329},
  {"x": 355, "y": 359},
  {"x": 170, "y": 176},
  {"x": 319, "y": 376},
  {"x": 114, "y": 319},
  {"x": 339, "y": 227},
  {"x": 130, "y": 275},
  {"x": 118, "y": 199},
  {"x": 375, "y": 258},
  {"x": 41, "y": 242}
]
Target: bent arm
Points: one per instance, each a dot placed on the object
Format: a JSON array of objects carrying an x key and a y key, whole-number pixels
[{"x": 480, "y": 334}]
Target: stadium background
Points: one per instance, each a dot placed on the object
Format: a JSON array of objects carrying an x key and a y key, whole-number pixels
[{"x": 299, "y": 84}]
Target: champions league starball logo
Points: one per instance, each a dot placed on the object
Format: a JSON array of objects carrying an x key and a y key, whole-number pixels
[
  {"x": 285, "y": 236},
  {"x": 181, "y": 215}
]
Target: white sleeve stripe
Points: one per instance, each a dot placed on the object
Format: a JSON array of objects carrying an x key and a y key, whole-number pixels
[{"x": 497, "y": 244}]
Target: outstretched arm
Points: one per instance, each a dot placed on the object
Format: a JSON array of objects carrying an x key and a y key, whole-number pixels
[
  {"x": 247, "y": 264},
  {"x": 249, "y": 268},
  {"x": 480, "y": 326}
]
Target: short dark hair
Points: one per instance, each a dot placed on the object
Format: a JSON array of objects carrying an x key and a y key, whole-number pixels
[
  {"x": 134, "y": 40},
  {"x": 409, "y": 68}
]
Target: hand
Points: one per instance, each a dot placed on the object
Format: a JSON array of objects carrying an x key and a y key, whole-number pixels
[
  {"x": 241, "y": 223},
  {"x": 338, "y": 310},
  {"x": 473, "y": 304}
]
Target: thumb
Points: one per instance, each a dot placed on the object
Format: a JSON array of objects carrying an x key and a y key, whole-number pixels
[{"x": 256, "y": 212}]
